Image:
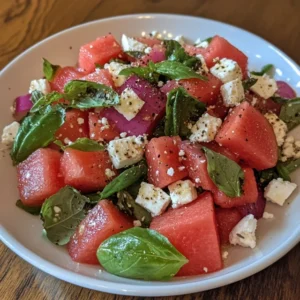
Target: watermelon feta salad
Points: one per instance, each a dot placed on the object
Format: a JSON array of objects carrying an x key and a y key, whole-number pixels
[{"x": 151, "y": 155}]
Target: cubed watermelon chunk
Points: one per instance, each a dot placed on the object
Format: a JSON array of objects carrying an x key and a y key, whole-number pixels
[
  {"x": 100, "y": 51},
  {"x": 99, "y": 131},
  {"x": 100, "y": 76},
  {"x": 250, "y": 192},
  {"x": 39, "y": 176},
  {"x": 85, "y": 171},
  {"x": 227, "y": 218},
  {"x": 102, "y": 221},
  {"x": 150, "y": 114},
  {"x": 192, "y": 229},
  {"x": 247, "y": 133},
  {"x": 164, "y": 166}
]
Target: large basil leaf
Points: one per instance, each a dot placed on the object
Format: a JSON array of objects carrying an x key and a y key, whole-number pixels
[
  {"x": 125, "y": 179},
  {"x": 140, "y": 253},
  {"x": 37, "y": 130},
  {"x": 225, "y": 173},
  {"x": 46, "y": 100},
  {"x": 82, "y": 144},
  {"x": 35, "y": 96},
  {"x": 176, "y": 70},
  {"x": 62, "y": 213},
  {"x": 175, "y": 52},
  {"x": 284, "y": 169},
  {"x": 33, "y": 210},
  {"x": 265, "y": 69},
  {"x": 248, "y": 83},
  {"x": 86, "y": 94},
  {"x": 290, "y": 113},
  {"x": 127, "y": 204},
  {"x": 181, "y": 110},
  {"x": 49, "y": 69}
]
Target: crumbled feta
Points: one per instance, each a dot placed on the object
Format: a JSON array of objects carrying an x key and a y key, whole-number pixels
[
  {"x": 265, "y": 86},
  {"x": 205, "y": 269},
  {"x": 41, "y": 85},
  {"x": 225, "y": 254},
  {"x": 80, "y": 121},
  {"x": 56, "y": 209},
  {"x": 290, "y": 149},
  {"x": 9, "y": 133},
  {"x": 114, "y": 69},
  {"x": 148, "y": 50},
  {"x": 181, "y": 153},
  {"x": 267, "y": 215},
  {"x": 137, "y": 223},
  {"x": 67, "y": 141},
  {"x": 243, "y": 233},
  {"x": 154, "y": 199},
  {"x": 197, "y": 180},
  {"x": 130, "y": 44},
  {"x": 227, "y": 70},
  {"x": 126, "y": 151},
  {"x": 280, "y": 128},
  {"x": 160, "y": 83},
  {"x": 278, "y": 190},
  {"x": 205, "y": 128},
  {"x": 182, "y": 192},
  {"x": 123, "y": 134},
  {"x": 180, "y": 40},
  {"x": 170, "y": 172},
  {"x": 204, "y": 67},
  {"x": 232, "y": 93},
  {"x": 130, "y": 104},
  {"x": 109, "y": 173}
]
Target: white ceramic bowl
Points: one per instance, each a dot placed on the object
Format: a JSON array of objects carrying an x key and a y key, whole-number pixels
[{"x": 22, "y": 232}]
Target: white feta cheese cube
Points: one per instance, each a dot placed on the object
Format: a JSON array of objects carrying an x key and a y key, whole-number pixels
[
  {"x": 205, "y": 128},
  {"x": 130, "y": 44},
  {"x": 41, "y": 85},
  {"x": 264, "y": 87},
  {"x": 204, "y": 67},
  {"x": 227, "y": 70},
  {"x": 126, "y": 151},
  {"x": 9, "y": 133},
  {"x": 232, "y": 93},
  {"x": 243, "y": 233},
  {"x": 280, "y": 128},
  {"x": 154, "y": 199},
  {"x": 278, "y": 190},
  {"x": 114, "y": 68},
  {"x": 182, "y": 192},
  {"x": 180, "y": 40},
  {"x": 130, "y": 104}
]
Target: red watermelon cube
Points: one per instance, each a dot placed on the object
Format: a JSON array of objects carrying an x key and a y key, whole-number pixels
[
  {"x": 39, "y": 176},
  {"x": 103, "y": 221},
  {"x": 101, "y": 76},
  {"x": 192, "y": 229}
]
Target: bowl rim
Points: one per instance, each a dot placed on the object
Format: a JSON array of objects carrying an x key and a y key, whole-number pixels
[{"x": 148, "y": 290}]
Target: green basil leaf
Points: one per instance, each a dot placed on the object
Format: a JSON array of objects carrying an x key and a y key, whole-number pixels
[
  {"x": 62, "y": 213},
  {"x": 49, "y": 69},
  {"x": 181, "y": 109},
  {"x": 46, "y": 100},
  {"x": 127, "y": 204},
  {"x": 225, "y": 173},
  {"x": 93, "y": 198},
  {"x": 33, "y": 210},
  {"x": 37, "y": 131},
  {"x": 135, "y": 54},
  {"x": 133, "y": 189},
  {"x": 265, "y": 69},
  {"x": 265, "y": 176},
  {"x": 86, "y": 94},
  {"x": 290, "y": 113},
  {"x": 140, "y": 253},
  {"x": 147, "y": 73},
  {"x": 283, "y": 172},
  {"x": 284, "y": 169},
  {"x": 82, "y": 144},
  {"x": 176, "y": 70},
  {"x": 248, "y": 83},
  {"x": 125, "y": 179},
  {"x": 35, "y": 96},
  {"x": 175, "y": 52}
]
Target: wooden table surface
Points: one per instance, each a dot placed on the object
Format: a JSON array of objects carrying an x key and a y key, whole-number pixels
[{"x": 25, "y": 22}]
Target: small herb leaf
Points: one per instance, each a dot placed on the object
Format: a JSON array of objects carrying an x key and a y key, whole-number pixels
[
  {"x": 290, "y": 113},
  {"x": 265, "y": 69},
  {"x": 45, "y": 100},
  {"x": 82, "y": 144},
  {"x": 131, "y": 252},
  {"x": 49, "y": 69},
  {"x": 147, "y": 73},
  {"x": 62, "y": 213},
  {"x": 33, "y": 210},
  {"x": 225, "y": 173}
]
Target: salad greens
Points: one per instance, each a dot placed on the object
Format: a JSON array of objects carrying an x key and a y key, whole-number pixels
[
  {"x": 62, "y": 213},
  {"x": 49, "y": 69},
  {"x": 284, "y": 169},
  {"x": 290, "y": 113},
  {"x": 46, "y": 100},
  {"x": 181, "y": 110},
  {"x": 37, "y": 131},
  {"x": 125, "y": 179},
  {"x": 127, "y": 204},
  {"x": 82, "y": 144},
  {"x": 35, "y": 96},
  {"x": 265, "y": 69},
  {"x": 225, "y": 173},
  {"x": 140, "y": 254},
  {"x": 33, "y": 210}
]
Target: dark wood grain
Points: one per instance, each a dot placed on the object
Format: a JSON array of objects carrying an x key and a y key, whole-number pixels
[{"x": 25, "y": 22}]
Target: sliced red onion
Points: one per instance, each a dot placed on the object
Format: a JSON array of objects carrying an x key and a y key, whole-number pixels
[
  {"x": 22, "y": 106},
  {"x": 285, "y": 91}
]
